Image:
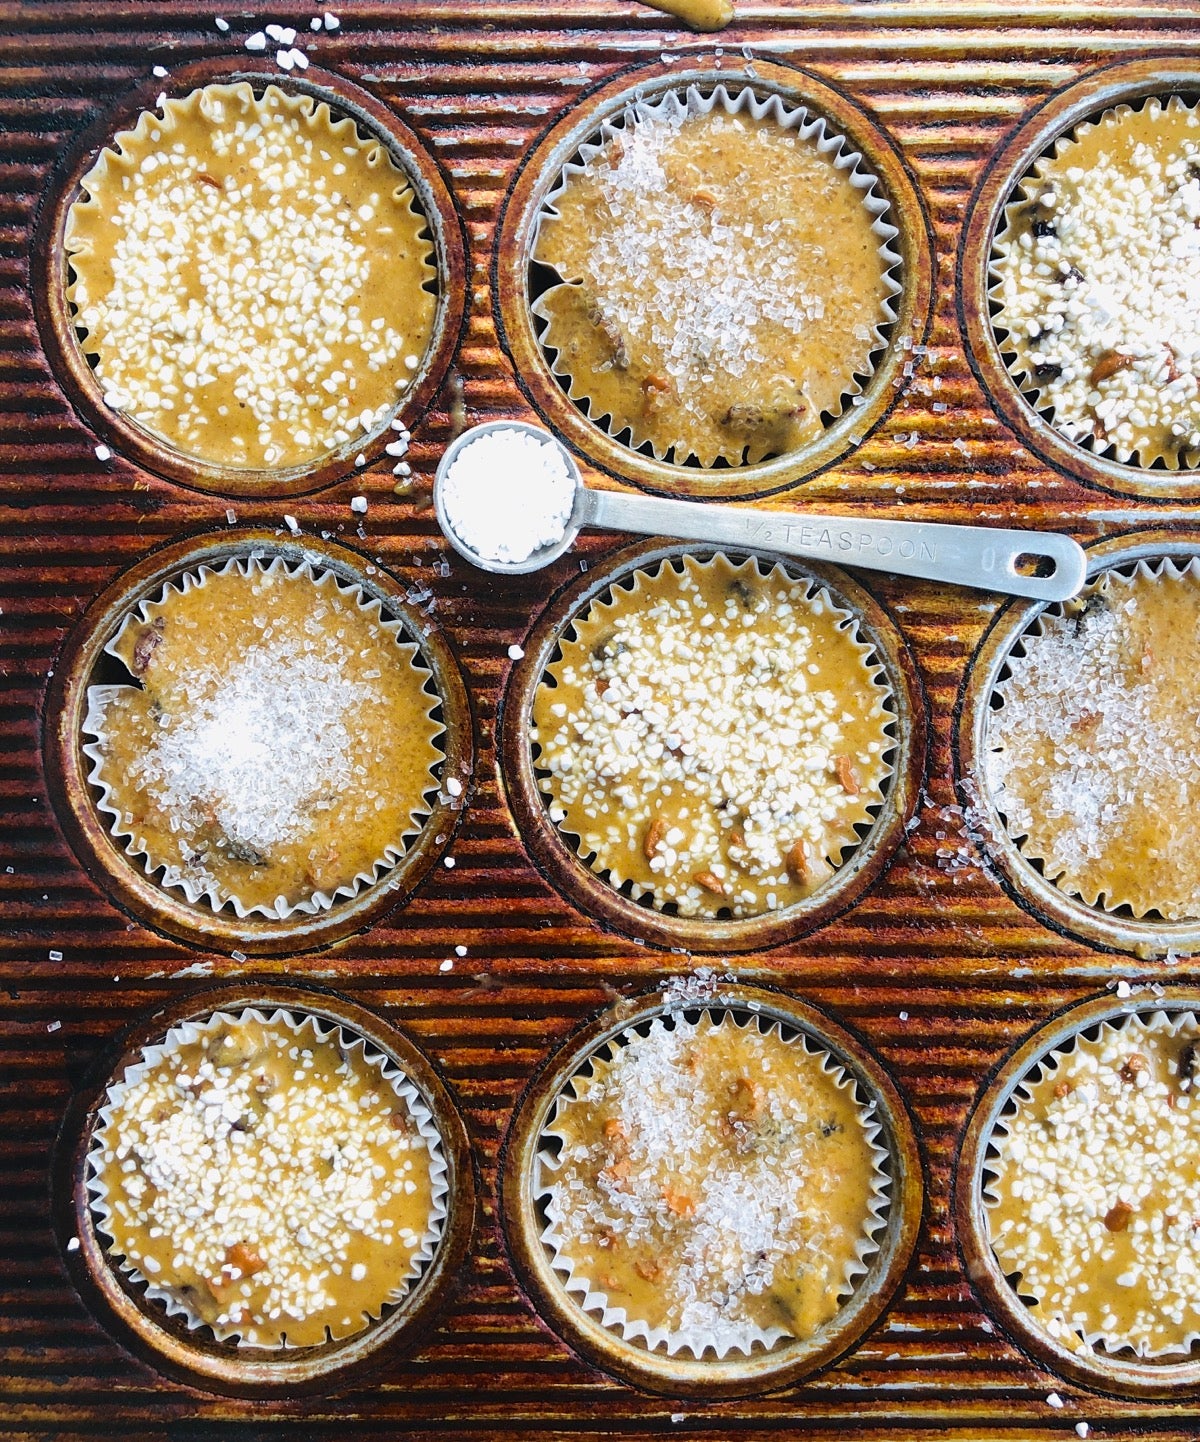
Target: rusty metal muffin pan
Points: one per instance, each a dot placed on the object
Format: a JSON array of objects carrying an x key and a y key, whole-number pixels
[{"x": 938, "y": 969}]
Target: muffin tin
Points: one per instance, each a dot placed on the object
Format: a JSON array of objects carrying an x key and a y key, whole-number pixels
[{"x": 933, "y": 967}]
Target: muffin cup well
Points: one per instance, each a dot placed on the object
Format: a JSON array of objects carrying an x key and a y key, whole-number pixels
[
  {"x": 172, "y": 1298},
  {"x": 1116, "y": 930},
  {"x": 194, "y": 1355},
  {"x": 1082, "y": 101},
  {"x": 57, "y": 322},
  {"x": 561, "y": 145},
  {"x": 211, "y": 892},
  {"x": 551, "y": 846},
  {"x": 675, "y": 106},
  {"x": 1120, "y": 1372},
  {"x": 617, "y": 1344},
  {"x": 89, "y": 830},
  {"x": 740, "y": 1338}
]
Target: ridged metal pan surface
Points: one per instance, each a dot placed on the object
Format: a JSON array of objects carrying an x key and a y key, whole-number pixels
[{"x": 938, "y": 968}]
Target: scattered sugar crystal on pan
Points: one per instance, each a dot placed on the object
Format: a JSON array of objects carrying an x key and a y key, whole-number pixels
[{"x": 508, "y": 495}]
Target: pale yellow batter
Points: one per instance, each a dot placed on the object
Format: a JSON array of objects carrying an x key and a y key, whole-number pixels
[
  {"x": 278, "y": 742},
  {"x": 723, "y": 285},
  {"x": 251, "y": 276}
]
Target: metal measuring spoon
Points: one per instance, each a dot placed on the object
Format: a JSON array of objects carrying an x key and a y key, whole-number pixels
[{"x": 987, "y": 558}]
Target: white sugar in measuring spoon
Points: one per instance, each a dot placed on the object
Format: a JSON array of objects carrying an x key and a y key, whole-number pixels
[{"x": 544, "y": 507}]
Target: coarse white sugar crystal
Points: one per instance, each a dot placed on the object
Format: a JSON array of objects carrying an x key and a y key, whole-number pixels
[
  {"x": 358, "y": 504},
  {"x": 453, "y": 785},
  {"x": 515, "y": 653},
  {"x": 292, "y": 524},
  {"x": 73, "y": 1245},
  {"x": 1054, "y": 1400},
  {"x": 221, "y": 24},
  {"x": 446, "y": 965},
  {"x": 508, "y": 495},
  {"x": 103, "y": 453},
  {"x": 331, "y": 21},
  {"x": 160, "y": 72},
  {"x": 257, "y": 41}
]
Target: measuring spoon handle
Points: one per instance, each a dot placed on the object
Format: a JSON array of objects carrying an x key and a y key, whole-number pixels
[{"x": 985, "y": 557}]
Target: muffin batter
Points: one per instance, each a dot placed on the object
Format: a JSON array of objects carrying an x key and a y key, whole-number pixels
[
  {"x": 251, "y": 277},
  {"x": 1096, "y": 1194},
  {"x": 723, "y": 284},
  {"x": 272, "y": 1181},
  {"x": 1092, "y": 759},
  {"x": 1098, "y": 277},
  {"x": 712, "y": 1176},
  {"x": 714, "y": 735},
  {"x": 278, "y": 742}
]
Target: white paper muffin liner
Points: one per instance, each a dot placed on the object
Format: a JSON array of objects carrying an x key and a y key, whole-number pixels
[
  {"x": 190, "y": 1031},
  {"x": 1168, "y": 1025},
  {"x": 1152, "y": 569},
  {"x": 734, "y": 1337},
  {"x": 1007, "y": 236},
  {"x": 136, "y": 847},
  {"x": 789, "y": 117}
]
